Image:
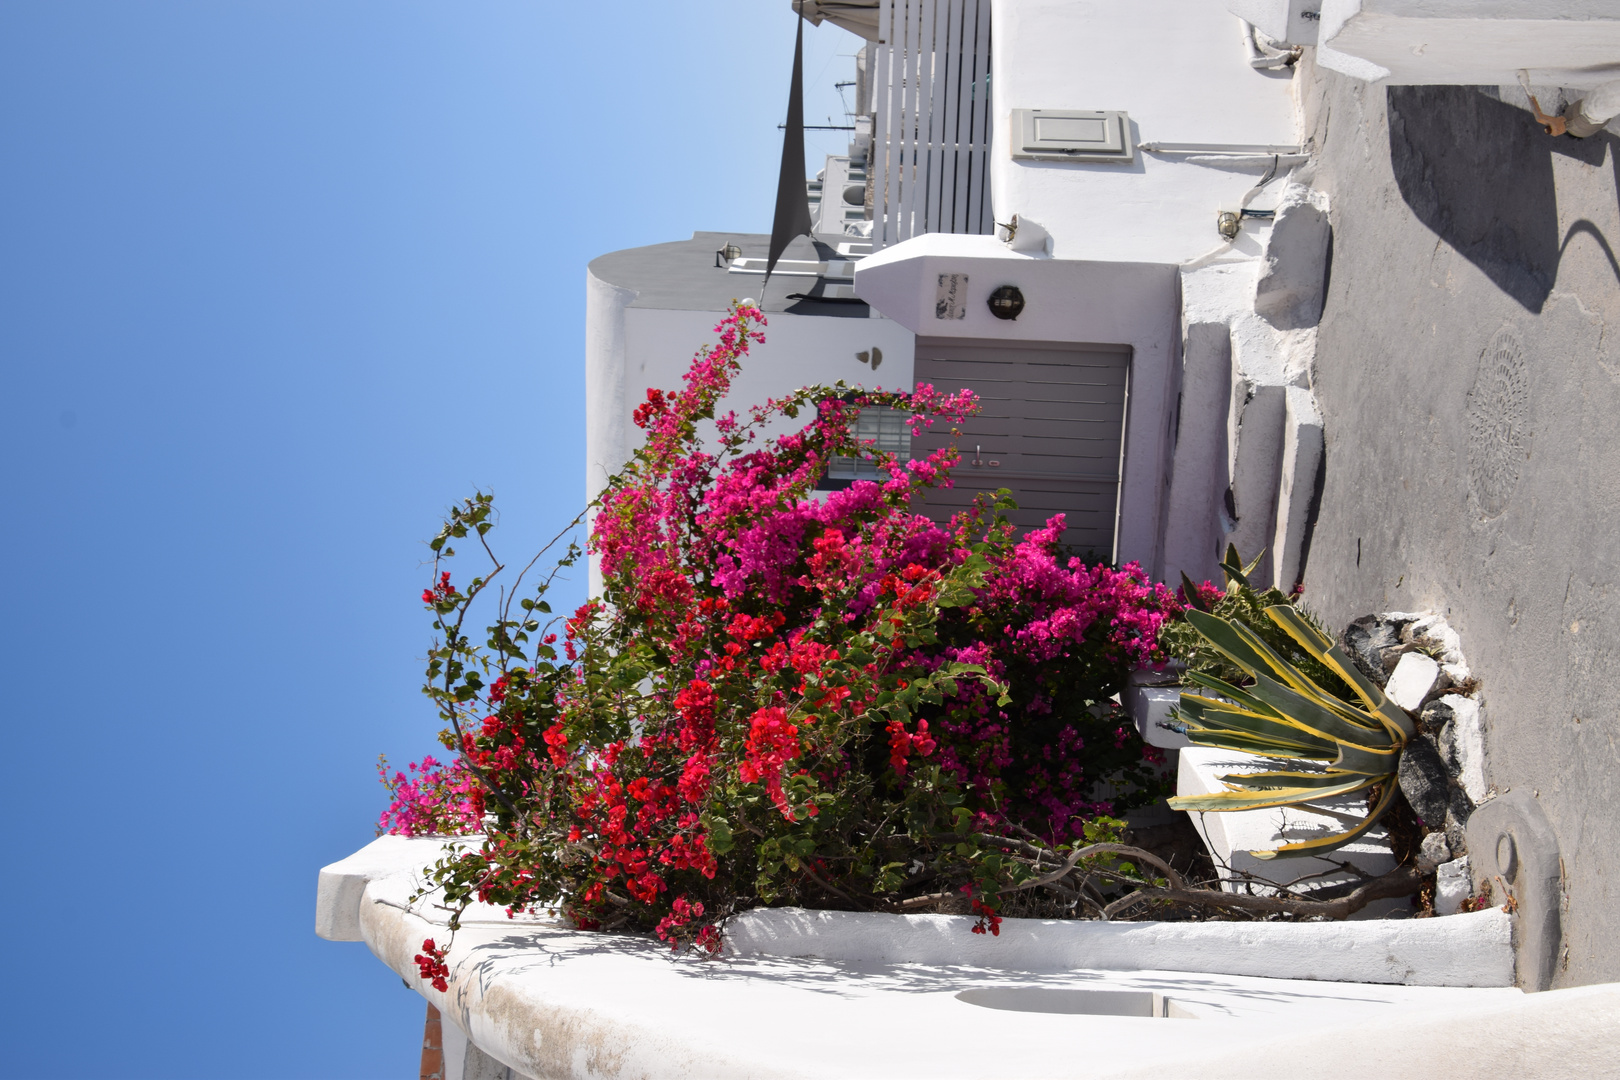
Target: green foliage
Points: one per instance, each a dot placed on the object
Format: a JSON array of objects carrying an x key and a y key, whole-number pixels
[{"x": 1242, "y": 603}]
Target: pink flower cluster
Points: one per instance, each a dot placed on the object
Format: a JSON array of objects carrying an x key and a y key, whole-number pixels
[{"x": 434, "y": 800}]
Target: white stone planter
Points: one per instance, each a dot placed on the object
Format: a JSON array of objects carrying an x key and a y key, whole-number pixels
[{"x": 1231, "y": 836}]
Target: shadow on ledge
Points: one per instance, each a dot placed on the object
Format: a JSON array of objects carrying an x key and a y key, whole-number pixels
[{"x": 1479, "y": 173}]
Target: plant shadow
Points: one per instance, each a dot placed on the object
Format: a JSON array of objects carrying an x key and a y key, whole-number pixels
[{"x": 1478, "y": 172}]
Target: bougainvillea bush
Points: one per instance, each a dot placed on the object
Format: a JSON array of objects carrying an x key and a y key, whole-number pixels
[{"x": 782, "y": 696}]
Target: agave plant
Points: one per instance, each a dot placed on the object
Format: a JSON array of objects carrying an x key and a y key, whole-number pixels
[{"x": 1327, "y": 746}]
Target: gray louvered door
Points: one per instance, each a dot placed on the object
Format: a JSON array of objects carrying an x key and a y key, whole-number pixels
[{"x": 1050, "y": 429}]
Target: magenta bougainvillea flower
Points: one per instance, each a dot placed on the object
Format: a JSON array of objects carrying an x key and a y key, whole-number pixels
[{"x": 782, "y": 695}]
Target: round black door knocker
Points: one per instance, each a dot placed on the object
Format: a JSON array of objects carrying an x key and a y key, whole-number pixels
[{"x": 1006, "y": 302}]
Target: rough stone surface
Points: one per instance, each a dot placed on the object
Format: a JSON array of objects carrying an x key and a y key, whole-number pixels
[
  {"x": 1375, "y": 645},
  {"x": 1451, "y": 886},
  {"x": 1454, "y": 215},
  {"x": 1288, "y": 292},
  {"x": 1457, "y": 831},
  {"x": 1433, "y": 852},
  {"x": 1415, "y": 675},
  {"x": 1432, "y": 633},
  {"x": 1425, "y": 782},
  {"x": 1434, "y": 717},
  {"x": 1462, "y": 745}
]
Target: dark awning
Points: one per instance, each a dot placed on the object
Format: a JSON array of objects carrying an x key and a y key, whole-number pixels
[
  {"x": 792, "y": 197},
  {"x": 856, "y": 16}
]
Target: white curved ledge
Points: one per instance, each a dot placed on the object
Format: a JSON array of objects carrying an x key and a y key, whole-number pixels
[{"x": 878, "y": 996}]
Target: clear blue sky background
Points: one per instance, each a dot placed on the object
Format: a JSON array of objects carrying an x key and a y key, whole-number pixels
[{"x": 279, "y": 280}]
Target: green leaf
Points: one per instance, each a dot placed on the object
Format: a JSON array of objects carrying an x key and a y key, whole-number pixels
[
  {"x": 1228, "y": 801},
  {"x": 1232, "y": 567},
  {"x": 1307, "y": 713},
  {"x": 1284, "y": 778},
  {"x": 1190, "y": 589},
  {"x": 1229, "y": 642},
  {"x": 1227, "y": 690},
  {"x": 1219, "y": 716},
  {"x": 1337, "y": 840},
  {"x": 1335, "y": 658}
]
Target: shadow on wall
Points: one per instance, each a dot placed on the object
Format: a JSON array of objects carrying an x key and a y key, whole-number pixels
[{"x": 1479, "y": 173}]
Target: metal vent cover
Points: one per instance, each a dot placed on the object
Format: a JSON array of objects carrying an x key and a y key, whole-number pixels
[{"x": 1072, "y": 135}]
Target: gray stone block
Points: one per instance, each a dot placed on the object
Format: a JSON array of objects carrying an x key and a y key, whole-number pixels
[
  {"x": 1288, "y": 292},
  {"x": 1374, "y": 645},
  {"x": 1424, "y": 782},
  {"x": 1514, "y": 849},
  {"x": 1434, "y": 851}
]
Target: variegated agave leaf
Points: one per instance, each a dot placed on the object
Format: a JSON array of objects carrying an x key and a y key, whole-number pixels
[{"x": 1287, "y": 717}]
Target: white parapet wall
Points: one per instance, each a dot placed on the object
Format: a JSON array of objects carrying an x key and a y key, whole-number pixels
[
  {"x": 1470, "y": 951},
  {"x": 1143, "y": 999},
  {"x": 1571, "y": 43}
]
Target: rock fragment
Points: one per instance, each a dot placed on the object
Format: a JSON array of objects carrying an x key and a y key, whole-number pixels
[
  {"x": 1434, "y": 851},
  {"x": 1415, "y": 675},
  {"x": 1451, "y": 886},
  {"x": 1425, "y": 782}
]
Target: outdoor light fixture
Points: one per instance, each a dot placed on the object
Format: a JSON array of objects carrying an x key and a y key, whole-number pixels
[
  {"x": 727, "y": 254},
  {"x": 1006, "y": 302}
]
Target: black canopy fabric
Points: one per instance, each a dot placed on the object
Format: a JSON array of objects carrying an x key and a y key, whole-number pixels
[{"x": 792, "y": 197}]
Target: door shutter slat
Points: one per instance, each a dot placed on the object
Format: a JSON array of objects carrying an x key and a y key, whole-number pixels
[{"x": 1053, "y": 421}]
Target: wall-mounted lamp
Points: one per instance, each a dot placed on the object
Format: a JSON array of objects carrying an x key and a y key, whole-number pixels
[
  {"x": 724, "y": 257},
  {"x": 1006, "y": 302}
]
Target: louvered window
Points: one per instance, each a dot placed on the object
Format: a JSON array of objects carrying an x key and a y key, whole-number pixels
[{"x": 887, "y": 431}]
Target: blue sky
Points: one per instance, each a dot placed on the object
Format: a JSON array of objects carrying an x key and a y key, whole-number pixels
[{"x": 279, "y": 280}]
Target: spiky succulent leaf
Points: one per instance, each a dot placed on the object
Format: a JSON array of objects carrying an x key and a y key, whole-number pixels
[
  {"x": 1287, "y": 717},
  {"x": 1226, "y": 801},
  {"x": 1312, "y": 641},
  {"x": 1322, "y": 845}
]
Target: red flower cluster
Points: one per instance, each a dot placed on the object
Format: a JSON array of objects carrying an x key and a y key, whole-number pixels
[
  {"x": 649, "y": 411},
  {"x": 441, "y": 592},
  {"x": 431, "y": 966},
  {"x": 903, "y": 744},
  {"x": 772, "y": 744},
  {"x": 989, "y": 922}
]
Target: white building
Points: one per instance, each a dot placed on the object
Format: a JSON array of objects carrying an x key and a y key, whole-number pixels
[
  {"x": 1098, "y": 216},
  {"x": 1136, "y": 390},
  {"x": 1108, "y": 179}
]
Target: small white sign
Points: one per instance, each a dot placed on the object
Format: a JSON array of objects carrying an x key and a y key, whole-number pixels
[{"x": 951, "y": 300}]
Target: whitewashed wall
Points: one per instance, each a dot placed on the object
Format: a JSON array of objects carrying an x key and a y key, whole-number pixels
[
  {"x": 1179, "y": 68},
  {"x": 629, "y": 349}
]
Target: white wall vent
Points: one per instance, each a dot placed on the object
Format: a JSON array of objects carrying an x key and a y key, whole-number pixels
[{"x": 1068, "y": 135}]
